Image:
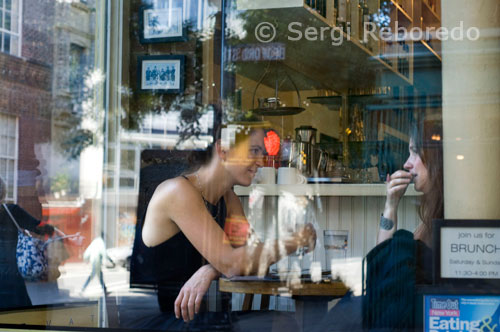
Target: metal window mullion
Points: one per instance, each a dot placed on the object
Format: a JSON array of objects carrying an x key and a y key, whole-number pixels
[
  {"x": 16, "y": 159},
  {"x": 20, "y": 27}
]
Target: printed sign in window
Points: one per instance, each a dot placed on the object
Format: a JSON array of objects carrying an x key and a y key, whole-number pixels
[
  {"x": 470, "y": 252},
  {"x": 472, "y": 313}
]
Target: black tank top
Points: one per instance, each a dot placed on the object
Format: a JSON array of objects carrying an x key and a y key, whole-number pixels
[{"x": 178, "y": 260}]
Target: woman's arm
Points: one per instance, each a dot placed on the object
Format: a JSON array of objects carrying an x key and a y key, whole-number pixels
[
  {"x": 396, "y": 185},
  {"x": 175, "y": 200},
  {"x": 236, "y": 228}
]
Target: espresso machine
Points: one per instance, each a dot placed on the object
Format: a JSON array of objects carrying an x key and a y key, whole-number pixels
[{"x": 303, "y": 154}]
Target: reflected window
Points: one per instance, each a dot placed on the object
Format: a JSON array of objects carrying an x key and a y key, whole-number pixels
[
  {"x": 10, "y": 23},
  {"x": 77, "y": 63},
  {"x": 8, "y": 154}
]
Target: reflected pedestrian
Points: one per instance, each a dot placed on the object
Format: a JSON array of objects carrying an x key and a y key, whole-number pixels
[
  {"x": 13, "y": 291},
  {"x": 95, "y": 254}
]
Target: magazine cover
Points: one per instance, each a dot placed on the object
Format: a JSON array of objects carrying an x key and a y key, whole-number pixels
[{"x": 475, "y": 313}]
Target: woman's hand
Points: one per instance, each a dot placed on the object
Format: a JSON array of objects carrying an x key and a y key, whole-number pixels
[
  {"x": 189, "y": 299},
  {"x": 45, "y": 230},
  {"x": 307, "y": 237},
  {"x": 396, "y": 185}
]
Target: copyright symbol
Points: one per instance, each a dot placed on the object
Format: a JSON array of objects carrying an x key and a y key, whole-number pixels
[{"x": 265, "y": 32}]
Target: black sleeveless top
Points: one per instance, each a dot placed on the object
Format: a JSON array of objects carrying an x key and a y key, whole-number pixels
[{"x": 178, "y": 260}]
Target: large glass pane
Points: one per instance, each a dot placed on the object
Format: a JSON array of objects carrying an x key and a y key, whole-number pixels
[
  {"x": 10, "y": 173},
  {"x": 15, "y": 5},
  {"x": 11, "y": 147},
  {"x": 3, "y": 168},
  {"x": 12, "y": 126},
  {"x": 6, "y": 43},
  {"x": 326, "y": 139},
  {"x": 14, "y": 45},
  {"x": 56, "y": 153},
  {"x": 7, "y": 22},
  {"x": 14, "y": 22},
  {"x": 4, "y": 145}
]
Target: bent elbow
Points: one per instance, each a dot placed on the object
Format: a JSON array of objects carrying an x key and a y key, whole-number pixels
[
  {"x": 235, "y": 267},
  {"x": 232, "y": 270}
]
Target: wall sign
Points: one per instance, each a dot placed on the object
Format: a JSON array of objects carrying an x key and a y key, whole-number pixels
[
  {"x": 467, "y": 249},
  {"x": 256, "y": 52}
]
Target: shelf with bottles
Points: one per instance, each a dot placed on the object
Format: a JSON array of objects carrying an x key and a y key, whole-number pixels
[
  {"x": 396, "y": 51},
  {"x": 351, "y": 63},
  {"x": 430, "y": 10},
  {"x": 404, "y": 9},
  {"x": 427, "y": 12},
  {"x": 434, "y": 47}
]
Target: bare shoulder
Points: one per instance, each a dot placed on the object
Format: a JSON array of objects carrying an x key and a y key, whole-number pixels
[
  {"x": 170, "y": 197},
  {"x": 171, "y": 187}
]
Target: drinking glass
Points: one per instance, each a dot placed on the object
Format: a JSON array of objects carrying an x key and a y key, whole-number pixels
[{"x": 336, "y": 244}]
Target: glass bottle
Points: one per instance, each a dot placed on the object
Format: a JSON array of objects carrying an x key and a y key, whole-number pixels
[{"x": 342, "y": 14}]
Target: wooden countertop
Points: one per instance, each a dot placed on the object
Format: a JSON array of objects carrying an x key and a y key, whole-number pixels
[{"x": 278, "y": 287}]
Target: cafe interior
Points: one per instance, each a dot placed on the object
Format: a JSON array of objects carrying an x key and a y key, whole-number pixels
[{"x": 102, "y": 101}]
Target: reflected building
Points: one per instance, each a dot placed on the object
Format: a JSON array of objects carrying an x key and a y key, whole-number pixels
[{"x": 26, "y": 62}]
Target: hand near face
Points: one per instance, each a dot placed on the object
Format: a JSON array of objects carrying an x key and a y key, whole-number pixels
[
  {"x": 191, "y": 295},
  {"x": 396, "y": 185}
]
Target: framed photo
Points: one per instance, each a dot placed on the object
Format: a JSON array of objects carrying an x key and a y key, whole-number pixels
[
  {"x": 161, "y": 25},
  {"x": 161, "y": 73}
]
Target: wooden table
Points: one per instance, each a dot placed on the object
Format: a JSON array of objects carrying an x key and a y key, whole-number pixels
[{"x": 309, "y": 297}]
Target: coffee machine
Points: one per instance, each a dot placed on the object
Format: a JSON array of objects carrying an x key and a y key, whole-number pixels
[{"x": 305, "y": 140}]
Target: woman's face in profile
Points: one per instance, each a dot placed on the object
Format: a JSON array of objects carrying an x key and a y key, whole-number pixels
[
  {"x": 244, "y": 159},
  {"x": 418, "y": 170}
]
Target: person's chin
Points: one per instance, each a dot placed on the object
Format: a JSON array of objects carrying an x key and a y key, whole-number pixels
[{"x": 246, "y": 181}]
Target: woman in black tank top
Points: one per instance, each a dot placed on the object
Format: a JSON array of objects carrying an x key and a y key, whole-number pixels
[{"x": 186, "y": 218}]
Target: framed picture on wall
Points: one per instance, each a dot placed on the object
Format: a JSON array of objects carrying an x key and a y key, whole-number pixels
[
  {"x": 161, "y": 73},
  {"x": 161, "y": 25}
]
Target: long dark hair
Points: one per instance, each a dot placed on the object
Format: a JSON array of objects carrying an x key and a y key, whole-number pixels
[{"x": 427, "y": 137}]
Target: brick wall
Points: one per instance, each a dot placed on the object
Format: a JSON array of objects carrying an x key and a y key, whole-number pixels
[
  {"x": 25, "y": 92},
  {"x": 38, "y": 30}
]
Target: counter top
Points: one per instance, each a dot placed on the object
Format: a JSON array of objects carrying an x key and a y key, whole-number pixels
[{"x": 333, "y": 189}]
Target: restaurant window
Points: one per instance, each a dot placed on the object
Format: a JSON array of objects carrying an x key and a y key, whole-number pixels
[
  {"x": 10, "y": 26},
  {"x": 106, "y": 100},
  {"x": 8, "y": 154}
]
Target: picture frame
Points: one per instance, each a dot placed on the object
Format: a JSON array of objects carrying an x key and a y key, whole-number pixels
[
  {"x": 161, "y": 73},
  {"x": 161, "y": 25}
]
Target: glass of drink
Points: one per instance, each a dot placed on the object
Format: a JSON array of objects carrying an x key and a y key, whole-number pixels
[{"x": 336, "y": 244}]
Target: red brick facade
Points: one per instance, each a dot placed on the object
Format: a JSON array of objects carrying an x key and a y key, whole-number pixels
[{"x": 26, "y": 92}]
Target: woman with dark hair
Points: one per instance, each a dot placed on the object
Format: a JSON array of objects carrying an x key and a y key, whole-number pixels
[
  {"x": 401, "y": 259},
  {"x": 424, "y": 168},
  {"x": 189, "y": 214}
]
